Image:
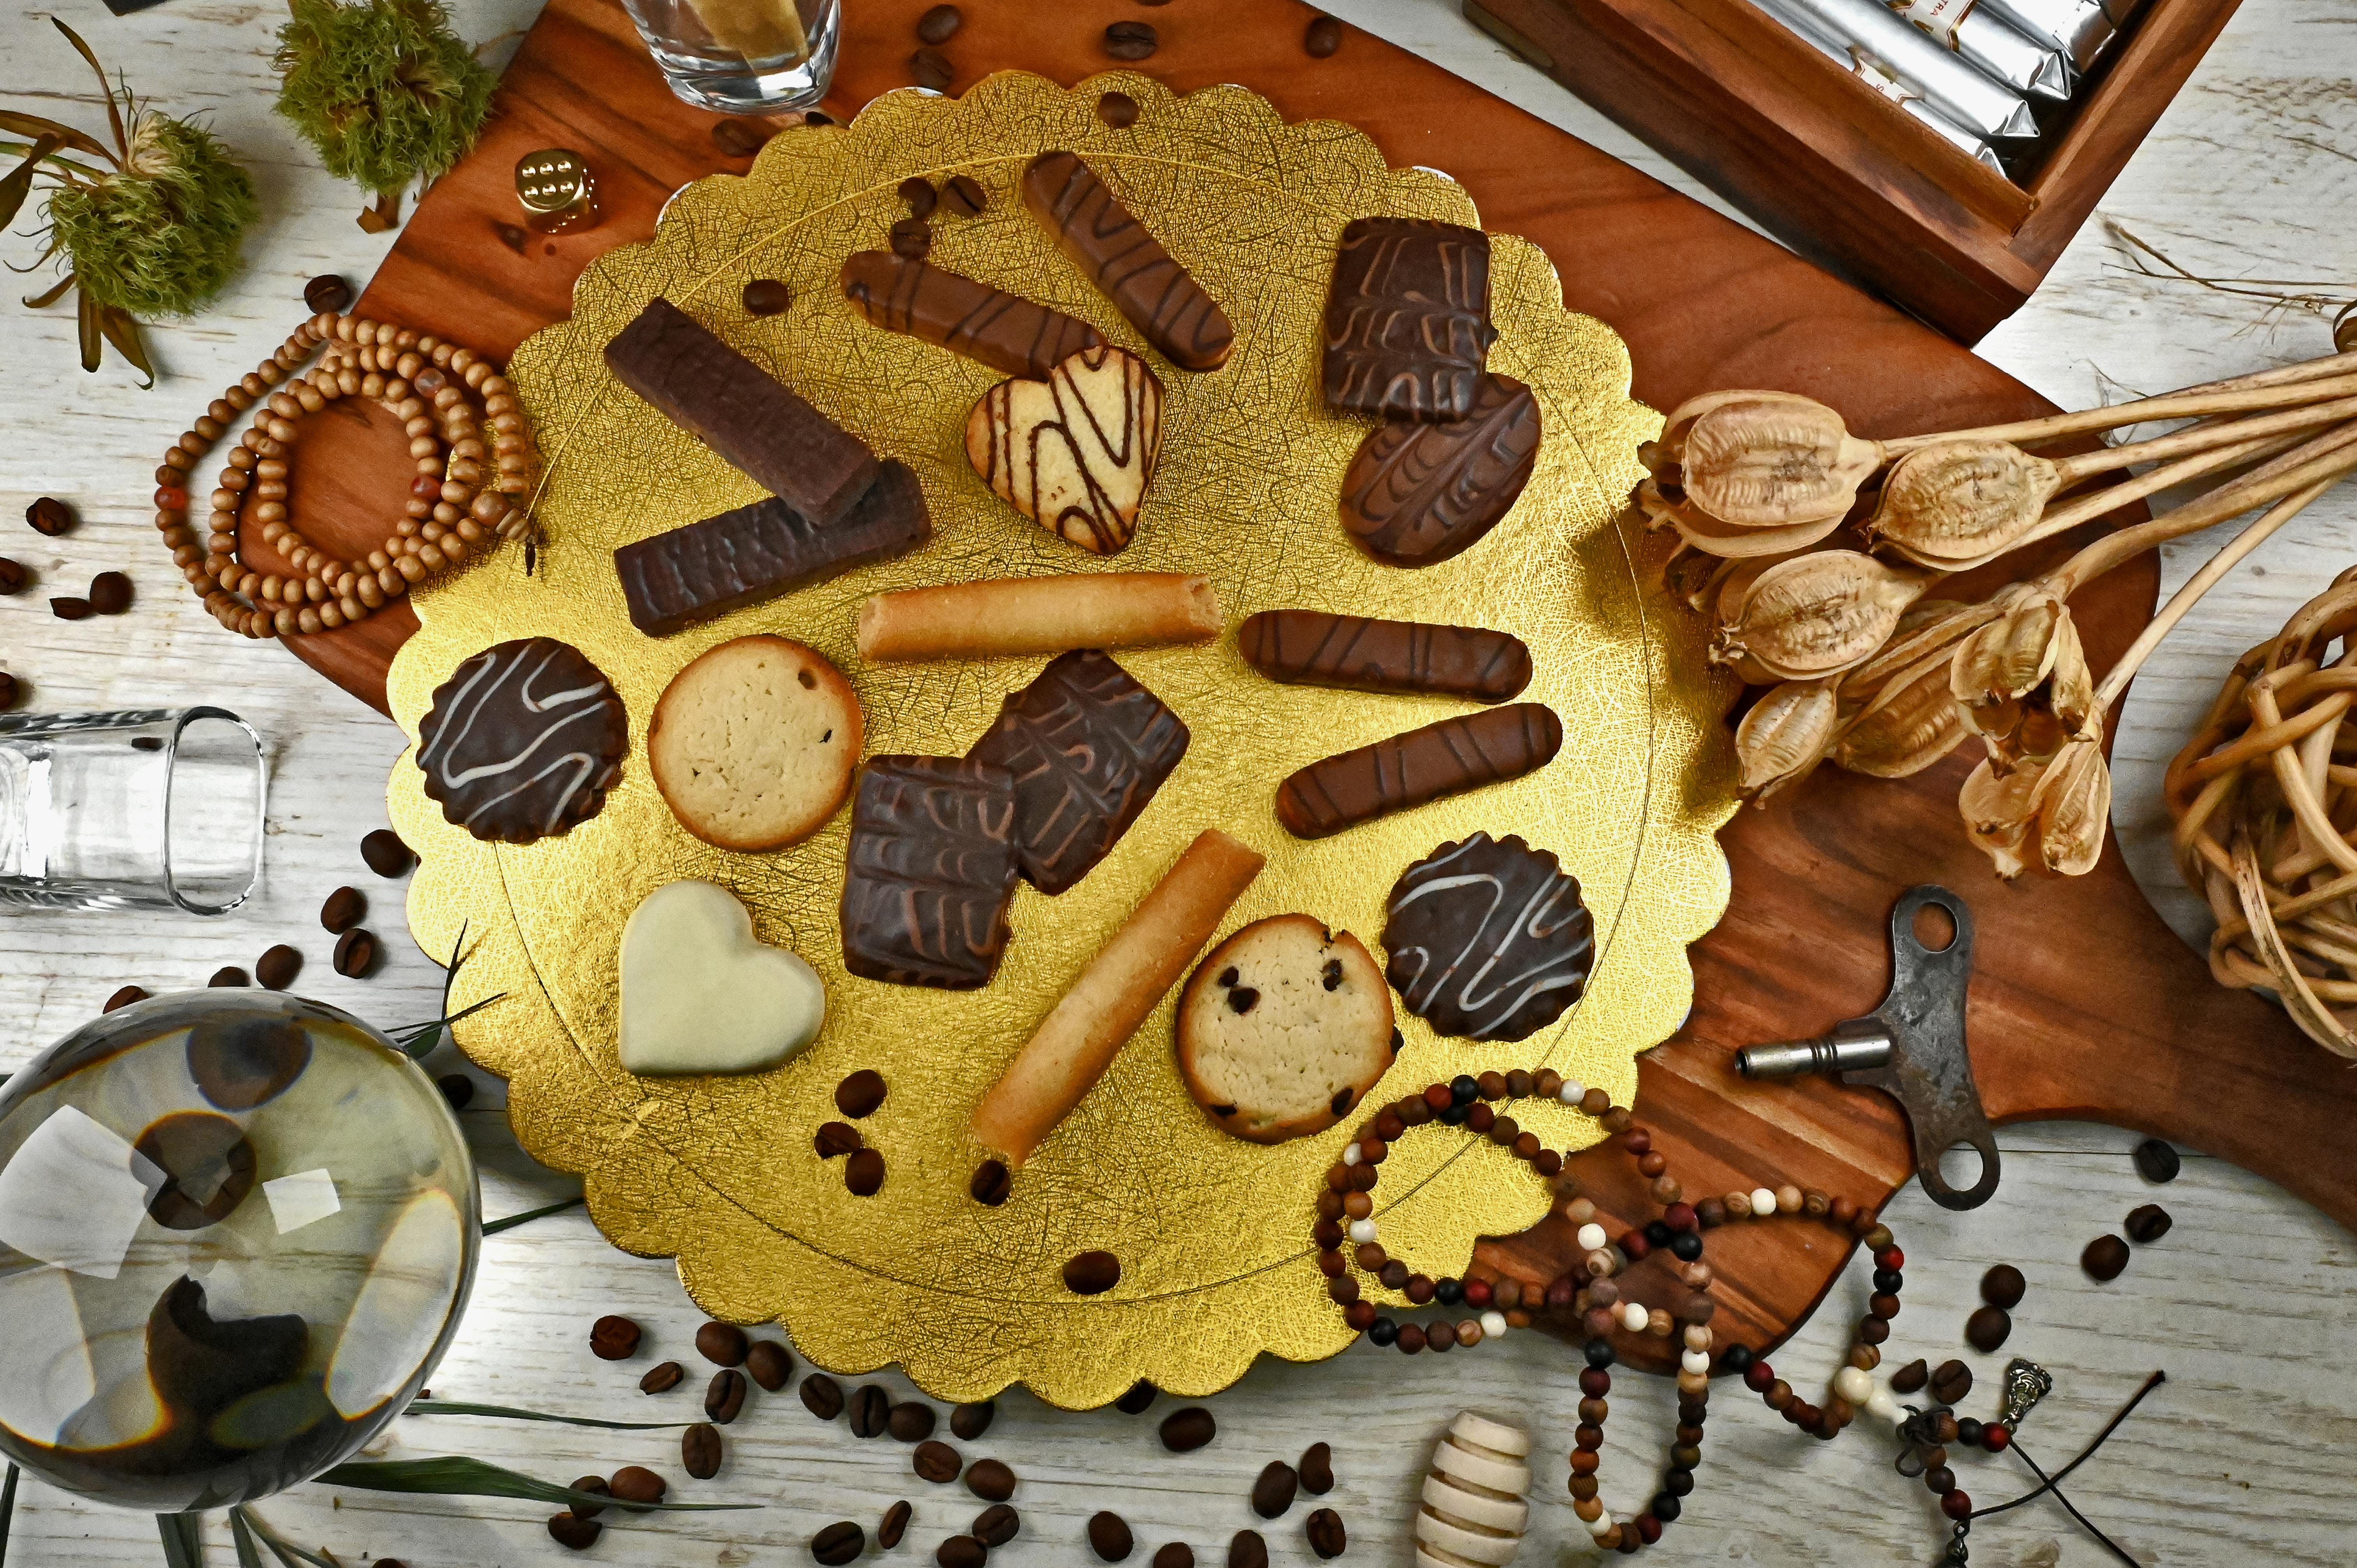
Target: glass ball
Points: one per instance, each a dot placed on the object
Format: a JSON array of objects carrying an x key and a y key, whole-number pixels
[{"x": 237, "y": 1230}]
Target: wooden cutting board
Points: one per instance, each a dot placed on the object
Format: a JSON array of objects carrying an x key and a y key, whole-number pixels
[{"x": 2084, "y": 1004}]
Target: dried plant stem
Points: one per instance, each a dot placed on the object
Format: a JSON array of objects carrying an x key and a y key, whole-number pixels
[
  {"x": 2289, "y": 375},
  {"x": 2175, "y": 405},
  {"x": 2202, "y": 437}
]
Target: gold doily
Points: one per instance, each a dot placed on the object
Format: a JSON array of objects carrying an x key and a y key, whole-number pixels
[{"x": 1212, "y": 1233}]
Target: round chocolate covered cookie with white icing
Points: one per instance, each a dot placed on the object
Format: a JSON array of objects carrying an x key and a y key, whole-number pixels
[
  {"x": 1487, "y": 939},
  {"x": 521, "y": 740}
]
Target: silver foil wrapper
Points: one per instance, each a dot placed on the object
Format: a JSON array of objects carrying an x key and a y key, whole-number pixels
[
  {"x": 1999, "y": 49},
  {"x": 2080, "y": 29},
  {"x": 1959, "y": 90},
  {"x": 1800, "y": 23}
]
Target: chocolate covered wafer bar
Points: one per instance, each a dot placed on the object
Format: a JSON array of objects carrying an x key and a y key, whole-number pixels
[
  {"x": 930, "y": 868},
  {"x": 690, "y": 574},
  {"x": 740, "y": 410},
  {"x": 1104, "y": 239},
  {"x": 1418, "y": 768},
  {"x": 1008, "y": 333},
  {"x": 1310, "y": 648},
  {"x": 1407, "y": 318}
]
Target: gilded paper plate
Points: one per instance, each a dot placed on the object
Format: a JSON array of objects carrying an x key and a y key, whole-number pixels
[{"x": 1212, "y": 1232}]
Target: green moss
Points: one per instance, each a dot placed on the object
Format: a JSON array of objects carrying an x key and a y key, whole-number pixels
[
  {"x": 161, "y": 239},
  {"x": 383, "y": 88}
]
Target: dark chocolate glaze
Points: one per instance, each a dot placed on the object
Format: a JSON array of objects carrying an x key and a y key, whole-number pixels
[
  {"x": 740, "y": 410},
  {"x": 522, "y": 740},
  {"x": 1005, "y": 332},
  {"x": 1310, "y": 648},
  {"x": 689, "y": 575},
  {"x": 1104, "y": 239},
  {"x": 1417, "y": 767},
  {"x": 1417, "y": 494},
  {"x": 1487, "y": 939},
  {"x": 1407, "y": 318},
  {"x": 930, "y": 869},
  {"x": 1088, "y": 746}
]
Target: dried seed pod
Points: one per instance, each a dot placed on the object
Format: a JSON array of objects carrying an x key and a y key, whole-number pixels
[
  {"x": 1960, "y": 500},
  {"x": 1473, "y": 1513},
  {"x": 1664, "y": 458},
  {"x": 1999, "y": 810},
  {"x": 1819, "y": 614},
  {"x": 1903, "y": 730},
  {"x": 2057, "y": 811},
  {"x": 2022, "y": 683},
  {"x": 1773, "y": 459},
  {"x": 1785, "y": 735},
  {"x": 1719, "y": 539}
]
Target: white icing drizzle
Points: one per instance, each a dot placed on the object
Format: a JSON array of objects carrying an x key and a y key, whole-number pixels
[
  {"x": 521, "y": 663},
  {"x": 1490, "y": 988}
]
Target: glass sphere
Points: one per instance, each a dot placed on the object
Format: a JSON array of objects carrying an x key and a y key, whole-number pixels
[{"x": 237, "y": 1230}]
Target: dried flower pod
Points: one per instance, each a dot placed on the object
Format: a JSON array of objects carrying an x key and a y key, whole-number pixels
[
  {"x": 1664, "y": 458},
  {"x": 2021, "y": 682},
  {"x": 1911, "y": 724},
  {"x": 2000, "y": 810},
  {"x": 1961, "y": 500},
  {"x": 1785, "y": 735},
  {"x": 1819, "y": 614},
  {"x": 1718, "y": 539},
  {"x": 2057, "y": 810},
  {"x": 1773, "y": 459}
]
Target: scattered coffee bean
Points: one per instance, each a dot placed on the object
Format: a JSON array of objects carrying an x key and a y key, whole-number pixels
[
  {"x": 124, "y": 998},
  {"x": 837, "y": 1138},
  {"x": 110, "y": 593},
  {"x": 2157, "y": 1161},
  {"x": 913, "y": 239},
  {"x": 2104, "y": 1258},
  {"x": 919, "y": 193},
  {"x": 580, "y": 1535},
  {"x": 1910, "y": 1377},
  {"x": 355, "y": 953},
  {"x": 960, "y": 1551},
  {"x": 930, "y": 70},
  {"x": 1176, "y": 1555},
  {"x": 637, "y": 1484},
  {"x": 147, "y": 743},
  {"x": 2147, "y": 1222},
  {"x": 821, "y": 1396},
  {"x": 895, "y": 1525},
  {"x": 996, "y": 1525},
  {"x": 613, "y": 1338},
  {"x": 964, "y": 196},
  {"x": 589, "y": 1484},
  {"x": 739, "y": 138},
  {"x": 1139, "y": 1395},
  {"x": 10, "y": 690},
  {"x": 1322, "y": 37},
  {"x": 1987, "y": 1327},
  {"x": 724, "y": 1397},
  {"x": 228, "y": 975},
  {"x": 1273, "y": 1493},
  {"x": 278, "y": 966},
  {"x": 385, "y": 854},
  {"x": 767, "y": 297},
  {"x": 70, "y": 608},
  {"x": 1184, "y": 1431},
  {"x": 13, "y": 577},
  {"x": 699, "y": 1451},
  {"x": 863, "y": 1172},
  {"x": 1118, "y": 110},
  {"x": 327, "y": 293},
  {"x": 1951, "y": 1382},
  {"x": 513, "y": 236},
  {"x": 1327, "y": 1536},
  {"x": 910, "y": 1422},
  {"x": 990, "y": 1480},
  {"x": 1130, "y": 41},
  {"x": 722, "y": 1344},
  {"x": 345, "y": 908},
  {"x": 769, "y": 1364},
  {"x": 971, "y": 1420},
  {"x": 838, "y": 1543},
  {"x": 1109, "y": 1536},
  {"x": 936, "y": 1461},
  {"x": 457, "y": 1089},
  {"x": 663, "y": 1378},
  {"x": 1248, "y": 1549},
  {"x": 1317, "y": 1469},
  {"x": 50, "y": 515},
  {"x": 871, "y": 1408},
  {"x": 2004, "y": 1287},
  {"x": 1091, "y": 1273},
  {"x": 939, "y": 24},
  {"x": 991, "y": 1183},
  {"x": 860, "y": 1094}
]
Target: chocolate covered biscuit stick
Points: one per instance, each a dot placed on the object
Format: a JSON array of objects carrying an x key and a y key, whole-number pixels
[
  {"x": 1417, "y": 767},
  {"x": 1104, "y": 239}
]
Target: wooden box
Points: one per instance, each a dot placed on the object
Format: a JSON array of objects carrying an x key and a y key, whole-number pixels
[{"x": 1836, "y": 170}]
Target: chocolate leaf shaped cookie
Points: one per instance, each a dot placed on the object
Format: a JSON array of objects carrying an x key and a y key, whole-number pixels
[{"x": 1075, "y": 452}]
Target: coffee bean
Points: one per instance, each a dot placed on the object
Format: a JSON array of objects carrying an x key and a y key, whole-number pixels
[
  {"x": 2004, "y": 1287},
  {"x": 1317, "y": 1469},
  {"x": 613, "y": 1338},
  {"x": 990, "y": 1480},
  {"x": 580, "y": 1535},
  {"x": 1952, "y": 1381},
  {"x": 971, "y": 1420},
  {"x": 124, "y": 998},
  {"x": 2147, "y": 1222},
  {"x": 918, "y": 192},
  {"x": 385, "y": 854},
  {"x": 964, "y": 196},
  {"x": 996, "y": 1525},
  {"x": 699, "y": 1451},
  {"x": 910, "y": 1422},
  {"x": 936, "y": 1461},
  {"x": 863, "y": 1172},
  {"x": 871, "y": 1408},
  {"x": 345, "y": 908},
  {"x": 895, "y": 1525},
  {"x": 1091, "y": 1273},
  {"x": 1248, "y": 1550},
  {"x": 1176, "y": 1555},
  {"x": 70, "y": 608},
  {"x": 50, "y": 515},
  {"x": 739, "y": 138},
  {"x": 228, "y": 975},
  {"x": 960, "y": 1551},
  {"x": 837, "y": 1138},
  {"x": 1118, "y": 110},
  {"x": 1322, "y": 37},
  {"x": 1134, "y": 1401},
  {"x": 10, "y": 690},
  {"x": 663, "y": 1378},
  {"x": 1987, "y": 1327},
  {"x": 1910, "y": 1377},
  {"x": 590, "y": 1484},
  {"x": 1327, "y": 1536},
  {"x": 2156, "y": 1161},
  {"x": 1184, "y": 1431},
  {"x": 327, "y": 293},
  {"x": 1109, "y": 1536},
  {"x": 769, "y": 1364},
  {"x": 724, "y": 1397},
  {"x": 355, "y": 953},
  {"x": 722, "y": 1344},
  {"x": 767, "y": 297},
  {"x": 110, "y": 593},
  {"x": 2104, "y": 1258},
  {"x": 991, "y": 1183},
  {"x": 457, "y": 1089},
  {"x": 513, "y": 236},
  {"x": 821, "y": 1396},
  {"x": 1273, "y": 1493},
  {"x": 860, "y": 1094},
  {"x": 637, "y": 1484},
  {"x": 838, "y": 1543},
  {"x": 939, "y": 24},
  {"x": 913, "y": 239},
  {"x": 930, "y": 70},
  {"x": 1130, "y": 41},
  {"x": 13, "y": 577},
  {"x": 278, "y": 966}
]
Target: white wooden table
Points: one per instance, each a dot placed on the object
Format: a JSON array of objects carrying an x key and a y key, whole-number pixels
[{"x": 2241, "y": 1457}]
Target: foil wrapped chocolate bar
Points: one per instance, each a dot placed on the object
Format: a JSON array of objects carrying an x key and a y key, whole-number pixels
[
  {"x": 1407, "y": 320},
  {"x": 930, "y": 868},
  {"x": 1008, "y": 333},
  {"x": 1104, "y": 239},
  {"x": 1971, "y": 143},
  {"x": 2080, "y": 29},
  {"x": 1311, "y": 647},
  {"x": 1973, "y": 99},
  {"x": 1417, "y": 767},
  {"x": 686, "y": 575},
  {"x": 1989, "y": 41}
]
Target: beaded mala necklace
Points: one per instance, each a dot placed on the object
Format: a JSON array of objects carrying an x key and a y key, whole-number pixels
[{"x": 460, "y": 501}]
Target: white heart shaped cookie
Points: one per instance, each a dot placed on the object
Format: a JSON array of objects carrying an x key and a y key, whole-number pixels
[
  {"x": 1075, "y": 452},
  {"x": 702, "y": 993}
]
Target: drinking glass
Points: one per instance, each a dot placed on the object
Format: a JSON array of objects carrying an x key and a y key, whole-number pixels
[
  {"x": 146, "y": 809},
  {"x": 742, "y": 56}
]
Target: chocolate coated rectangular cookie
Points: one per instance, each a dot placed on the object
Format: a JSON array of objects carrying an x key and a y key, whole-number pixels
[
  {"x": 1104, "y": 239},
  {"x": 740, "y": 411},
  {"x": 1417, "y": 767},
  {"x": 1088, "y": 746},
  {"x": 930, "y": 869},
  {"x": 1311, "y": 647},
  {"x": 1005, "y": 332},
  {"x": 1407, "y": 318},
  {"x": 689, "y": 575}
]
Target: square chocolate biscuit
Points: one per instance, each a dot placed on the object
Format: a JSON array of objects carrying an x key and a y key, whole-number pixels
[
  {"x": 1407, "y": 320},
  {"x": 931, "y": 868},
  {"x": 1088, "y": 746}
]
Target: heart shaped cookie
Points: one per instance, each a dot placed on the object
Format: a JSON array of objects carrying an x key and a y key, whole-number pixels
[
  {"x": 1075, "y": 452},
  {"x": 702, "y": 993}
]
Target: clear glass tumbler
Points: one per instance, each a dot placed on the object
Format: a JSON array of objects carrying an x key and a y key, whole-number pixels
[
  {"x": 742, "y": 56},
  {"x": 148, "y": 808}
]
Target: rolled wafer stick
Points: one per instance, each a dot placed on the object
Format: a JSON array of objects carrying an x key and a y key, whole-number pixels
[
  {"x": 1115, "y": 993},
  {"x": 1008, "y": 616}
]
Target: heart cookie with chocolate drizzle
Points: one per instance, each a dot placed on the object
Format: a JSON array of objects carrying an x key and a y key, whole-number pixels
[{"x": 1073, "y": 453}]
